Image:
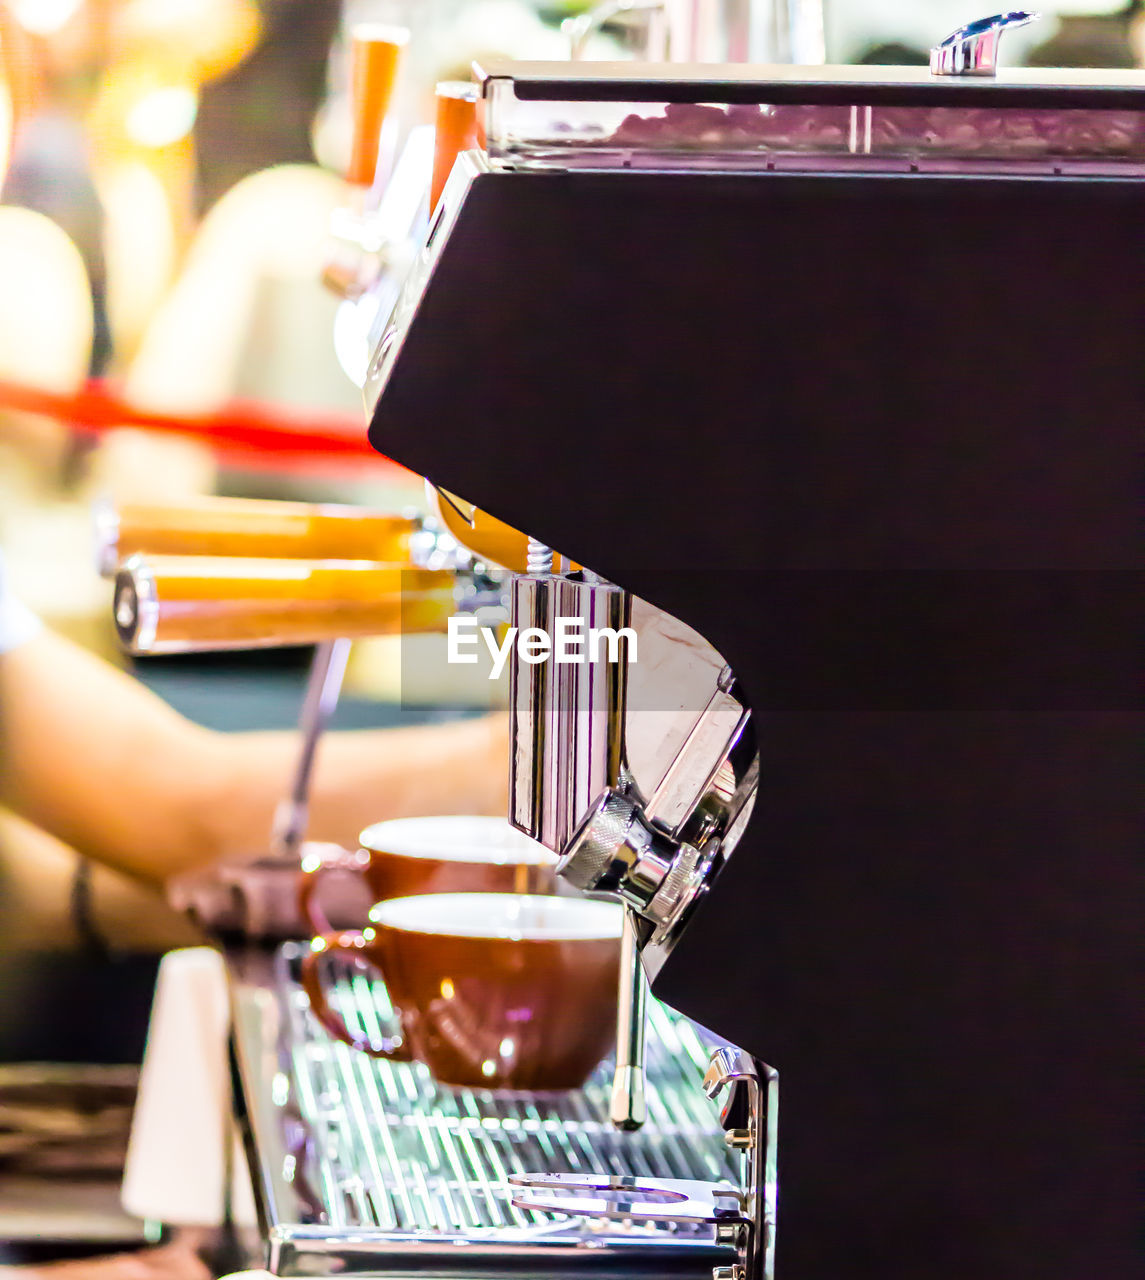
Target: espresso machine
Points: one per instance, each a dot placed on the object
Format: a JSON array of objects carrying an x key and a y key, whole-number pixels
[{"x": 822, "y": 390}]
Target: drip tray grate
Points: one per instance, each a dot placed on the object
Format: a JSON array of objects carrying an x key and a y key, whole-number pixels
[{"x": 362, "y": 1157}]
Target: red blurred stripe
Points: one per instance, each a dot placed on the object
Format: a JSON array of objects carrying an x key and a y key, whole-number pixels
[{"x": 270, "y": 434}]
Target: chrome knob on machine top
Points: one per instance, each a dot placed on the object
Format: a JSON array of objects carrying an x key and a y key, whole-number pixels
[{"x": 972, "y": 50}]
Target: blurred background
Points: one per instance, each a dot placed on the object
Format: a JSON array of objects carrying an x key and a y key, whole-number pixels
[{"x": 169, "y": 170}]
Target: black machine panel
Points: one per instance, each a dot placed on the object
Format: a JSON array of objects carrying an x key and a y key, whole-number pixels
[{"x": 879, "y": 440}]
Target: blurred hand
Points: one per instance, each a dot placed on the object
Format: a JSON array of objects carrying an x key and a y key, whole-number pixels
[{"x": 176, "y": 1261}]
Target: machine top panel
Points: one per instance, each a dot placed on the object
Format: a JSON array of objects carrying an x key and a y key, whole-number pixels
[
  {"x": 621, "y": 116},
  {"x": 683, "y": 82}
]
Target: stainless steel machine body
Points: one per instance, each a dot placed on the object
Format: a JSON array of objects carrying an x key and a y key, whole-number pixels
[{"x": 831, "y": 378}]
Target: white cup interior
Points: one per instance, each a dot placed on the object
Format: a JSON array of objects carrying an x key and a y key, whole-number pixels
[
  {"x": 511, "y": 916},
  {"x": 456, "y": 838}
]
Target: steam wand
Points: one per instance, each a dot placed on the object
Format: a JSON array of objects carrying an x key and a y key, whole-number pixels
[
  {"x": 323, "y": 687},
  {"x": 627, "y": 1109}
]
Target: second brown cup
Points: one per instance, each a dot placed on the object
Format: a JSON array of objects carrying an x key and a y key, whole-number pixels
[{"x": 447, "y": 854}]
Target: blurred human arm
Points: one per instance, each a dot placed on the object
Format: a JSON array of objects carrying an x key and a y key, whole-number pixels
[
  {"x": 175, "y": 1261},
  {"x": 94, "y": 758}
]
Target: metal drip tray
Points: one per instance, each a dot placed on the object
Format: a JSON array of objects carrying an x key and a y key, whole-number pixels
[{"x": 365, "y": 1165}]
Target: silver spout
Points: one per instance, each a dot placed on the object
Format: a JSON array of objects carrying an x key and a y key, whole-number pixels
[{"x": 628, "y": 1110}]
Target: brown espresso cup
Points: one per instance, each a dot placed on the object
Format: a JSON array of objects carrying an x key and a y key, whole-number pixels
[
  {"x": 492, "y": 990},
  {"x": 448, "y": 854}
]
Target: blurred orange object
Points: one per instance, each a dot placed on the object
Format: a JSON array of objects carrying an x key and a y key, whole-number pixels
[
  {"x": 207, "y": 38},
  {"x": 375, "y": 52},
  {"x": 455, "y": 131},
  {"x": 147, "y": 68}
]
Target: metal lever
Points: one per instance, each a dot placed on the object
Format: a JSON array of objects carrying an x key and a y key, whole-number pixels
[
  {"x": 323, "y": 687},
  {"x": 628, "y": 1109},
  {"x": 972, "y": 50}
]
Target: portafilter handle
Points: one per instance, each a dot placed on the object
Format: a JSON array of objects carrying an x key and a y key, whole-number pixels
[
  {"x": 249, "y": 527},
  {"x": 199, "y": 604}
]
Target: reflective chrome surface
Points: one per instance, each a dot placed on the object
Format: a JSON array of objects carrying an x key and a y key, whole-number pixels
[
  {"x": 574, "y": 787},
  {"x": 135, "y": 607},
  {"x": 366, "y": 1166},
  {"x": 972, "y": 50},
  {"x": 616, "y": 850},
  {"x": 900, "y": 120},
  {"x": 744, "y": 1218},
  {"x": 566, "y": 719},
  {"x": 536, "y": 800},
  {"x": 628, "y": 1108},
  {"x": 729, "y": 1070},
  {"x": 590, "y": 741}
]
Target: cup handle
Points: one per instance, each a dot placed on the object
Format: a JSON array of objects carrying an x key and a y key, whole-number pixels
[
  {"x": 393, "y": 1047},
  {"x": 316, "y": 860}
]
